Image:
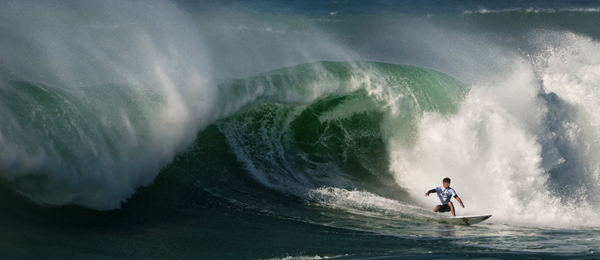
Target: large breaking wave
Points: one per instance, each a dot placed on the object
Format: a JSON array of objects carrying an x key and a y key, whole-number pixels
[{"x": 96, "y": 102}]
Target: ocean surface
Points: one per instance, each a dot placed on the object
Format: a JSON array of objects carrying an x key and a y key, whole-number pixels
[{"x": 298, "y": 129}]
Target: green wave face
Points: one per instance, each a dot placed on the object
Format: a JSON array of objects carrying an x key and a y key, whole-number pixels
[{"x": 328, "y": 123}]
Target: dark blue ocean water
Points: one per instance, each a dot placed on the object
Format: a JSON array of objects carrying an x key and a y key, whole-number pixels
[{"x": 298, "y": 129}]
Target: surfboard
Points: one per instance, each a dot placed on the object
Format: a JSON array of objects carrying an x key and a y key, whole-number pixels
[{"x": 466, "y": 220}]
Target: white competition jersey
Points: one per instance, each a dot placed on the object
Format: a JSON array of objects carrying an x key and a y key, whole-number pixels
[{"x": 445, "y": 194}]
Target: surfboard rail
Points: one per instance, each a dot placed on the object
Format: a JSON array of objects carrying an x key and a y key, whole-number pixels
[{"x": 468, "y": 220}]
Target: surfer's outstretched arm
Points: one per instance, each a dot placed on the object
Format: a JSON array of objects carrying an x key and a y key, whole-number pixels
[
  {"x": 459, "y": 201},
  {"x": 429, "y": 191}
]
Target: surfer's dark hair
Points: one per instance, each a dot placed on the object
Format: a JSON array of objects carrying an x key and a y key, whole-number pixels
[{"x": 446, "y": 179}]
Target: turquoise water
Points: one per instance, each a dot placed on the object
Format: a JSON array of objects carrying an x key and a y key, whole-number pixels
[{"x": 267, "y": 130}]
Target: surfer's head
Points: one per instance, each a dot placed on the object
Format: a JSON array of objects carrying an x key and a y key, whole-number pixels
[{"x": 446, "y": 182}]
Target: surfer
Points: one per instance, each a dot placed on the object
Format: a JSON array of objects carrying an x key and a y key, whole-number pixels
[{"x": 445, "y": 193}]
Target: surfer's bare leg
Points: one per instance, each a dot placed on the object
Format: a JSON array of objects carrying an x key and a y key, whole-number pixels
[
  {"x": 437, "y": 208},
  {"x": 451, "y": 208}
]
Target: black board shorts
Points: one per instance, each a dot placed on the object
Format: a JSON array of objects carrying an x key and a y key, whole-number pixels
[{"x": 444, "y": 208}]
